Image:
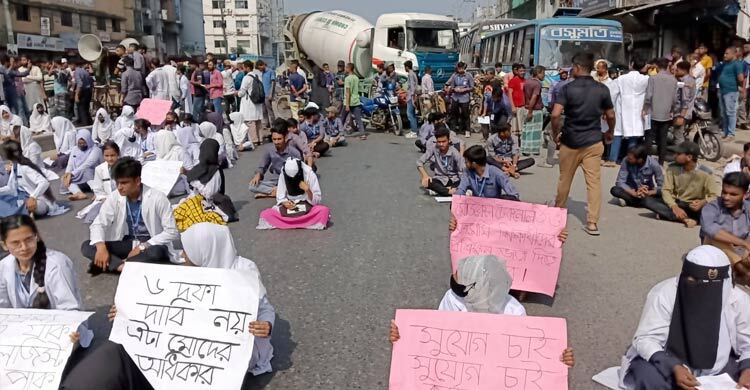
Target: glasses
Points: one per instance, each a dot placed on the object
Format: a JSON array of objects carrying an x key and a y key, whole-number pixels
[{"x": 25, "y": 243}]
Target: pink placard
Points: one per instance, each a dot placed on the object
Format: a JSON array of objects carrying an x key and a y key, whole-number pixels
[
  {"x": 154, "y": 110},
  {"x": 443, "y": 350},
  {"x": 522, "y": 234}
]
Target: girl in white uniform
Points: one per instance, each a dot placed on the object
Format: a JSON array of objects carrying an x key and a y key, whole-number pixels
[
  {"x": 103, "y": 127},
  {"x": 102, "y": 185},
  {"x": 39, "y": 121},
  {"x": 169, "y": 149},
  {"x": 28, "y": 185},
  {"x": 125, "y": 119},
  {"x": 31, "y": 148}
]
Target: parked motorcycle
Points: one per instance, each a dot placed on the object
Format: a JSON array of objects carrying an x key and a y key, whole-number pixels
[
  {"x": 382, "y": 112},
  {"x": 699, "y": 130}
]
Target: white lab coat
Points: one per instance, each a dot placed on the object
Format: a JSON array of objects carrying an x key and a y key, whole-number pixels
[
  {"x": 653, "y": 328},
  {"x": 209, "y": 189},
  {"x": 312, "y": 180},
  {"x": 172, "y": 82},
  {"x": 59, "y": 283},
  {"x": 101, "y": 184},
  {"x": 632, "y": 94},
  {"x": 614, "y": 93},
  {"x": 250, "y": 111},
  {"x": 111, "y": 223},
  {"x": 33, "y": 183},
  {"x": 158, "y": 83}
]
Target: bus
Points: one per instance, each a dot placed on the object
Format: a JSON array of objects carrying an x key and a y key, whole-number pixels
[
  {"x": 553, "y": 42},
  {"x": 469, "y": 44}
]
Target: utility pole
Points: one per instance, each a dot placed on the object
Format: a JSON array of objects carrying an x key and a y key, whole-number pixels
[
  {"x": 8, "y": 25},
  {"x": 224, "y": 28}
]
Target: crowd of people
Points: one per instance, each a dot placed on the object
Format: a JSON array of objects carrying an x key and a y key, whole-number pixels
[{"x": 590, "y": 118}]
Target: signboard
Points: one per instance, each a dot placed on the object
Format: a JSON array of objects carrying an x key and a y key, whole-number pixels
[
  {"x": 477, "y": 351},
  {"x": 184, "y": 327},
  {"x": 38, "y": 42},
  {"x": 595, "y": 7},
  {"x": 84, "y": 3},
  {"x": 44, "y": 26},
  {"x": 104, "y": 36},
  {"x": 522, "y": 234},
  {"x": 12, "y": 50},
  {"x": 582, "y": 33}
]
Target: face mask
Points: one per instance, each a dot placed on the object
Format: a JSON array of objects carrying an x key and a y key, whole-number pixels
[
  {"x": 458, "y": 289},
  {"x": 132, "y": 139},
  {"x": 40, "y": 111},
  {"x": 169, "y": 121},
  {"x": 101, "y": 119},
  {"x": 83, "y": 148}
]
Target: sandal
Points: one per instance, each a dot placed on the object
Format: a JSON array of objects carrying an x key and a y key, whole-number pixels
[{"x": 592, "y": 232}]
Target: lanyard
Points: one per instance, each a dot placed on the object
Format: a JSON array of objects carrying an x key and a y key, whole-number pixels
[
  {"x": 133, "y": 223},
  {"x": 476, "y": 184},
  {"x": 444, "y": 160}
]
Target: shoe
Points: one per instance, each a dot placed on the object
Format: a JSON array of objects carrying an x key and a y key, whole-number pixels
[
  {"x": 546, "y": 165},
  {"x": 621, "y": 202},
  {"x": 411, "y": 135},
  {"x": 592, "y": 232},
  {"x": 468, "y": 134},
  {"x": 431, "y": 193},
  {"x": 690, "y": 223}
]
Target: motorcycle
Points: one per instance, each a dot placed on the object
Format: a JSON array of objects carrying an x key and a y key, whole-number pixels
[
  {"x": 699, "y": 130},
  {"x": 382, "y": 112}
]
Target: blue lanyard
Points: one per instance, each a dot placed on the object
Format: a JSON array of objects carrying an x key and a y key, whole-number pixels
[
  {"x": 476, "y": 184},
  {"x": 137, "y": 218},
  {"x": 444, "y": 160}
]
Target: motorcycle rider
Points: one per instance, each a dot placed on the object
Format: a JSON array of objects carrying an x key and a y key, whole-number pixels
[{"x": 682, "y": 109}]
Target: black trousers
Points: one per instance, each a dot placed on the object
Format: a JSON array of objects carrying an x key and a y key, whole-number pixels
[
  {"x": 119, "y": 250},
  {"x": 657, "y": 205},
  {"x": 422, "y": 147},
  {"x": 108, "y": 367},
  {"x": 523, "y": 163},
  {"x": 461, "y": 113},
  {"x": 658, "y": 132},
  {"x": 440, "y": 188},
  {"x": 321, "y": 147},
  {"x": 630, "y": 200},
  {"x": 84, "y": 105}
]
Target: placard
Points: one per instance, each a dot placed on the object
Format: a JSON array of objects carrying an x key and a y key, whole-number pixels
[
  {"x": 187, "y": 327},
  {"x": 445, "y": 350},
  {"x": 522, "y": 234},
  {"x": 161, "y": 175},
  {"x": 35, "y": 345},
  {"x": 154, "y": 110}
]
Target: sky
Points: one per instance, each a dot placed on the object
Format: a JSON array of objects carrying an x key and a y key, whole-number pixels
[{"x": 371, "y": 9}]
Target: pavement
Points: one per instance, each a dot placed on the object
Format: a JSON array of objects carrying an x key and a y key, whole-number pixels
[{"x": 336, "y": 290}]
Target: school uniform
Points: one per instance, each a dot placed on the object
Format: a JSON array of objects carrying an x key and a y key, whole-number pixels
[
  {"x": 505, "y": 149},
  {"x": 60, "y": 283},
  {"x": 270, "y": 167},
  {"x": 25, "y": 182},
  {"x": 494, "y": 183},
  {"x": 447, "y": 169}
]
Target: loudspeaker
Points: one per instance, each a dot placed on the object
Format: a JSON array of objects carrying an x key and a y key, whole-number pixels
[{"x": 90, "y": 47}]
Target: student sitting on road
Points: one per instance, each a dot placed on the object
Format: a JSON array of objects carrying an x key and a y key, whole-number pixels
[
  {"x": 134, "y": 224},
  {"x": 298, "y": 140},
  {"x": 81, "y": 164},
  {"x": 315, "y": 134},
  {"x": 266, "y": 178},
  {"x": 333, "y": 128},
  {"x": 298, "y": 198},
  {"x": 481, "y": 285},
  {"x": 486, "y": 181},
  {"x": 740, "y": 164},
  {"x": 640, "y": 177},
  {"x": 692, "y": 325},
  {"x": 446, "y": 163},
  {"x": 725, "y": 222},
  {"x": 427, "y": 130},
  {"x": 137, "y": 141},
  {"x": 102, "y": 185},
  {"x": 686, "y": 188},
  {"x": 503, "y": 152}
]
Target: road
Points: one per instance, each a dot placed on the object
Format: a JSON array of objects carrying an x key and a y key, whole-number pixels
[{"x": 336, "y": 290}]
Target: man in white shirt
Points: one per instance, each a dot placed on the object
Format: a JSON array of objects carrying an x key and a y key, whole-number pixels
[
  {"x": 170, "y": 70},
  {"x": 698, "y": 72},
  {"x": 158, "y": 81},
  {"x": 134, "y": 224},
  {"x": 428, "y": 86},
  {"x": 229, "y": 90}
]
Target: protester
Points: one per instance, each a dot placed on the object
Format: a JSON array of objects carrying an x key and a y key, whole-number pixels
[
  {"x": 427, "y": 131},
  {"x": 352, "y": 101},
  {"x": 298, "y": 198},
  {"x": 297, "y": 86},
  {"x": 8, "y": 121},
  {"x": 495, "y": 108},
  {"x": 239, "y": 131},
  {"x": 740, "y": 164},
  {"x": 134, "y": 224},
  {"x": 103, "y": 128},
  {"x": 266, "y": 178},
  {"x": 461, "y": 85},
  {"x": 682, "y": 111},
  {"x": 228, "y": 88},
  {"x": 131, "y": 86},
  {"x": 631, "y": 124},
  {"x": 252, "y": 112},
  {"x": 185, "y": 101},
  {"x": 137, "y": 141},
  {"x": 686, "y": 188},
  {"x": 482, "y": 180},
  {"x": 725, "y": 221},
  {"x": 731, "y": 77},
  {"x": 660, "y": 96},
  {"x": 312, "y": 127},
  {"x": 698, "y": 72},
  {"x": 84, "y": 87},
  {"x": 186, "y": 134},
  {"x": 27, "y": 190},
  {"x": 269, "y": 89},
  {"x": 139, "y": 62},
  {"x": 532, "y": 113},
  {"x": 31, "y": 149},
  {"x": 102, "y": 185},
  {"x": 640, "y": 177},
  {"x": 169, "y": 149},
  {"x": 126, "y": 118},
  {"x": 64, "y": 136},
  {"x": 298, "y": 140},
  {"x": 333, "y": 128},
  {"x": 584, "y": 101},
  {"x": 503, "y": 152},
  {"x": 411, "y": 98},
  {"x": 83, "y": 160},
  {"x": 446, "y": 163},
  {"x": 198, "y": 81},
  {"x": 517, "y": 97},
  {"x": 428, "y": 85},
  {"x": 39, "y": 121},
  {"x": 691, "y": 326},
  {"x": 208, "y": 131}
]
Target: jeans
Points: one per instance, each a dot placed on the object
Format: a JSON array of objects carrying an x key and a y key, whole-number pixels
[
  {"x": 615, "y": 150},
  {"x": 198, "y": 107},
  {"x": 356, "y": 114},
  {"x": 461, "y": 114},
  {"x": 657, "y": 205},
  {"x": 23, "y": 109},
  {"x": 589, "y": 159},
  {"x": 728, "y": 106},
  {"x": 442, "y": 189},
  {"x": 84, "y": 104},
  {"x": 632, "y": 201},
  {"x": 217, "y": 105},
  {"x": 522, "y": 164},
  {"x": 411, "y": 112},
  {"x": 659, "y": 132}
]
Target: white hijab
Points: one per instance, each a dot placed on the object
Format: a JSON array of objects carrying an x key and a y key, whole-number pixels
[
  {"x": 487, "y": 282},
  {"x": 6, "y": 126},
  {"x": 210, "y": 245},
  {"x": 208, "y": 130},
  {"x": 125, "y": 119},
  {"x": 26, "y": 139},
  {"x": 101, "y": 132},
  {"x": 61, "y": 126},
  {"x": 167, "y": 146},
  {"x": 39, "y": 122},
  {"x": 238, "y": 126}
]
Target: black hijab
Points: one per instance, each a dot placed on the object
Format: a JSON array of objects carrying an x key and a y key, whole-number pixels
[
  {"x": 292, "y": 182},
  {"x": 696, "y": 317},
  {"x": 208, "y": 163}
]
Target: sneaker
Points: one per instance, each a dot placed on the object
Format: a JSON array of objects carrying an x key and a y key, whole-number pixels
[
  {"x": 431, "y": 193},
  {"x": 468, "y": 134},
  {"x": 621, "y": 202},
  {"x": 546, "y": 165},
  {"x": 411, "y": 135}
]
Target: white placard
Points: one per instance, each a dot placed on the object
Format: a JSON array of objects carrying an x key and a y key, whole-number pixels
[
  {"x": 44, "y": 26},
  {"x": 443, "y": 199},
  {"x": 483, "y": 120},
  {"x": 35, "y": 346},
  {"x": 719, "y": 382},
  {"x": 161, "y": 174},
  {"x": 187, "y": 327}
]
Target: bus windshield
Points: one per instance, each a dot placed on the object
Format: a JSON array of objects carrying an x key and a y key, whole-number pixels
[
  {"x": 558, "y": 44},
  {"x": 431, "y": 39}
]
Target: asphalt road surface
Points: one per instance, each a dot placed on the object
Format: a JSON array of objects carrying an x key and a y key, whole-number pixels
[{"x": 336, "y": 290}]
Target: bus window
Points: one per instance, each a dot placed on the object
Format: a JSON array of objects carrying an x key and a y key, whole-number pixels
[
  {"x": 490, "y": 51},
  {"x": 528, "y": 47},
  {"x": 518, "y": 52},
  {"x": 514, "y": 46},
  {"x": 506, "y": 48}
]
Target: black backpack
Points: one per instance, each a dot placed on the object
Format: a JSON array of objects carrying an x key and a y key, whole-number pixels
[{"x": 257, "y": 94}]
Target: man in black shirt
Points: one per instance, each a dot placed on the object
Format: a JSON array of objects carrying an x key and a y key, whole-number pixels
[{"x": 584, "y": 101}]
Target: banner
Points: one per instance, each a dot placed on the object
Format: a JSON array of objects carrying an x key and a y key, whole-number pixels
[
  {"x": 161, "y": 174},
  {"x": 445, "y": 350},
  {"x": 35, "y": 346},
  {"x": 38, "y": 42},
  {"x": 154, "y": 110},
  {"x": 187, "y": 327},
  {"x": 522, "y": 234}
]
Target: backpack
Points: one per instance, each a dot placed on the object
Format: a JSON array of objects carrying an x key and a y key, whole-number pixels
[
  {"x": 62, "y": 78},
  {"x": 257, "y": 94}
]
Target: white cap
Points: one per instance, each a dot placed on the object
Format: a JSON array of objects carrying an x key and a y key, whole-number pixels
[
  {"x": 291, "y": 168},
  {"x": 313, "y": 105},
  {"x": 64, "y": 61},
  {"x": 707, "y": 256}
]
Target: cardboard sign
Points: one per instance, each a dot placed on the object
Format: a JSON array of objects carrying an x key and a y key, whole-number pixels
[{"x": 154, "y": 110}]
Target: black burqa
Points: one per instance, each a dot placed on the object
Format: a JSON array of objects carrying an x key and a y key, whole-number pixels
[
  {"x": 696, "y": 317},
  {"x": 204, "y": 171}
]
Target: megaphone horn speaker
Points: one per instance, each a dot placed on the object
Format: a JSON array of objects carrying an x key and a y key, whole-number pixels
[{"x": 90, "y": 47}]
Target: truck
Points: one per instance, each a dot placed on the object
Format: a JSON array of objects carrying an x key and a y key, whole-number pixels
[{"x": 425, "y": 39}]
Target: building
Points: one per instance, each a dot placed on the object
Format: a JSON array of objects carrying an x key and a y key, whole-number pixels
[
  {"x": 192, "y": 34},
  {"x": 47, "y": 29},
  {"x": 158, "y": 25},
  {"x": 243, "y": 27}
]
